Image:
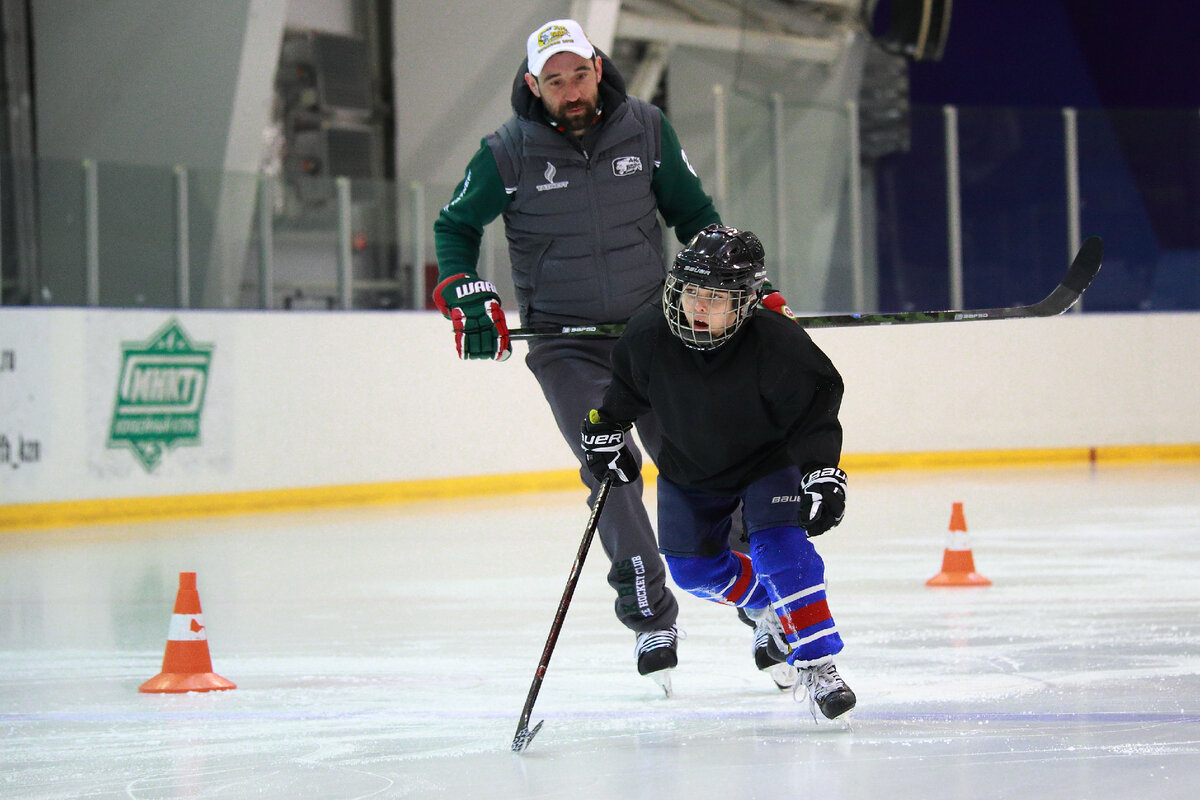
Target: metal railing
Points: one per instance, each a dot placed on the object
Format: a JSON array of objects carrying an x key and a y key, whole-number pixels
[{"x": 979, "y": 207}]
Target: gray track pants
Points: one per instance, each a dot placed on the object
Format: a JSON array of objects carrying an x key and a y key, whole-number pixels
[{"x": 573, "y": 374}]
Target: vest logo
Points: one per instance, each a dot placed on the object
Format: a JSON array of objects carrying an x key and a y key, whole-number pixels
[
  {"x": 626, "y": 165},
  {"x": 550, "y": 183},
  {"x": 160, "y": 394}
]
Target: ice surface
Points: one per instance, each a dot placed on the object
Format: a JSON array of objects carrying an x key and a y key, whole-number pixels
[{"x": 387, "y": 652}]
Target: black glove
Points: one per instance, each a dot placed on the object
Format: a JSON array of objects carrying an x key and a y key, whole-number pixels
[
  {"x": 606, "y": 451},
  {"x": 822, "y": 500}
]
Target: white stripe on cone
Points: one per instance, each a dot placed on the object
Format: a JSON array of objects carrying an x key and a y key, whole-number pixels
[
  {"x": 186, "y": 628},
  {"x": 957, "y": 540}
]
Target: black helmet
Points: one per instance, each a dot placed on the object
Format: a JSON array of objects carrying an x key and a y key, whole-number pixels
[{"x": 719, "y": 264}]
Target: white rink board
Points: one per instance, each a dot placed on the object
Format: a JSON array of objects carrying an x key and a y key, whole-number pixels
[{"x": 296, "y": 399}]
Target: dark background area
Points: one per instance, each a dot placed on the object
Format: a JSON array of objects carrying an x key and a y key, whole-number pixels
[{"x": 1132, "y": 69}]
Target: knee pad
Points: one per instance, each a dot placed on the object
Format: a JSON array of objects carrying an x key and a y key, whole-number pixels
[
  {"x": 782, "y": 549},
  {"x": 697, "y": 572},
  {"x": 726, "y": 578}
]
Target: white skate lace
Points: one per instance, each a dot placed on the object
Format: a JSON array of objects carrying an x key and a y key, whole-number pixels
[
  {"x": 817, "y": 681},
  {"x": 652, "y": 640},
  {"x": 766, "y": 623}
]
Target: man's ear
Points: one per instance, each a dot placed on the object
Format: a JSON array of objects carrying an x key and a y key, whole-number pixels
[
  {"x": 531, "y": 82},
  {"x": 599, "y": 68}
]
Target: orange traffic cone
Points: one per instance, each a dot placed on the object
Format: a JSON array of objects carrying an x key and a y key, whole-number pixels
[
  {"x": 958, "y": 564},
  {"x": 187, "y": 666}
]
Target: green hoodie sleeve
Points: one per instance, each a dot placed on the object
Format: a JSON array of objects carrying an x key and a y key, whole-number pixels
[
  {"x": 682, "y": 201},
  {"x": 478, "y": 200}
]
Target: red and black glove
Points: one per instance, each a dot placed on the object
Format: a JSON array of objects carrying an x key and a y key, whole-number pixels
[
  {"x": 774, "y": 301},
  {"x": 471, "y": 303}
]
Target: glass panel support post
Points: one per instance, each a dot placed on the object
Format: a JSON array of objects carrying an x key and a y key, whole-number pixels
[
  {"x": 416, "y": 192},
  {"x": 183, "y": 247},
  {"x": 91, "y": 232},
  {"x": 953, "y": 207},
  {"x": 266, "y": 241},
  {"x": 1074, "y": 213},
  {"x": 854, "y": 181},
  {"x": 345, "y": 260}
]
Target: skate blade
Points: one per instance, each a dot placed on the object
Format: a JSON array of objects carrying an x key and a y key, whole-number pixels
[
  {"x": 663, "y": 679},
  {"x": 839, "y": 723},
  {"x": 784, "y": 675}
]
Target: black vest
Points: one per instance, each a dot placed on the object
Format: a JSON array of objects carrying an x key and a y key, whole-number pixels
[{"x": 583, "y": 231}]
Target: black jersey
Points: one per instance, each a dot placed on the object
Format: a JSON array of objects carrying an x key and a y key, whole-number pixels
[{"x": 767, "y": 399}]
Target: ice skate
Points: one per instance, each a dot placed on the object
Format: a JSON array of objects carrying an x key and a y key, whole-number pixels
[
  {"x": 656, "y": 656},
  {"x": 770, "y": 647},
  {"x": 825, "y": 688}
]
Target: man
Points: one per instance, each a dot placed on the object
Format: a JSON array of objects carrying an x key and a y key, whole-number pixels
[
  {"x": 579, "y": 172},
  {"x": 749, "y": 412}
]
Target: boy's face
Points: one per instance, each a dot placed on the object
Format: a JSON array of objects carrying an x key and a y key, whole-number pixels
[{"x": 707, "y": 310}]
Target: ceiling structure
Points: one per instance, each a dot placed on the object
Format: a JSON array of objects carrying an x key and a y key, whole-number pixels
[{"x": 814, "y": 31}]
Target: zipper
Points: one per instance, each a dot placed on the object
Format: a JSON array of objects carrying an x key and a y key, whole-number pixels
[{"x": 598, "y": 255}]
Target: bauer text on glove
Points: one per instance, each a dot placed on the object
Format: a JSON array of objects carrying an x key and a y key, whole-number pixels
[
  {"x": 607, "y": 454},
  {"x": 822, "y": 499},
  {"x": 472, "y": 305}
]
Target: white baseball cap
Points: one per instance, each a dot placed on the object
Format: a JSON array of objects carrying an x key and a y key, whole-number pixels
[{"x": 556, "y": 36}]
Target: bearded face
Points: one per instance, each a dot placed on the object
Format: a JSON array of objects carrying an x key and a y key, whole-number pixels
[{"x": 569, "y": 88}]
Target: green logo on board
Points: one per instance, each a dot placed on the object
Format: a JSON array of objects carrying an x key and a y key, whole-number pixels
[{"x": 160, "y": 394}]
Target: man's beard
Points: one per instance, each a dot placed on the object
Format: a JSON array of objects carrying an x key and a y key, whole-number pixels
[{"x": 576, "y": 122}]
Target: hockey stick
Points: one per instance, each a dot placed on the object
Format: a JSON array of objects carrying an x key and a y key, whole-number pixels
[
  {"x": 1080, "y": 275},
  {"x": 524, "y": 735}
]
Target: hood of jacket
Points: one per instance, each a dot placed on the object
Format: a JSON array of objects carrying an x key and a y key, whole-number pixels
[{"x": 527, "y": 105}]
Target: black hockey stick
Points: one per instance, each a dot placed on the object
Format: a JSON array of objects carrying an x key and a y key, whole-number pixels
[
  {"x": 1083, "y": 269},
  {"x": 524, "y": 735}
]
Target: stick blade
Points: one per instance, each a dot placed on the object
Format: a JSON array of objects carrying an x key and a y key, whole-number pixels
[
  {"x": 1085, "y": 266},
  {"x": 524, "y": 737}
]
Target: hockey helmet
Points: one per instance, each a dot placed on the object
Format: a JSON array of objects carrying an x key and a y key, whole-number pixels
[{"x": 713, "y": 286}]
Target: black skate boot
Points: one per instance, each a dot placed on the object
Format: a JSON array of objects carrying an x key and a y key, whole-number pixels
[
  {"x": 656, "y": 656},
  {"x": 770, "y": 647},
  {"x": 826, "y": 689}
]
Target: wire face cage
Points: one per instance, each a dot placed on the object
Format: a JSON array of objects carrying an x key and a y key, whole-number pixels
[{"x": 702, "y": 317}]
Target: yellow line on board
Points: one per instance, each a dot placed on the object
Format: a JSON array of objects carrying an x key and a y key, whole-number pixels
[
  {"x": 961, "y": 459},
  {"x": 82, "y": 512},
  {"x": 85, "y": 512}
]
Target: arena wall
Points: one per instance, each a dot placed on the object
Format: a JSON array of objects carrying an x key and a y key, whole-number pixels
[{"x": 266, "y": 410}]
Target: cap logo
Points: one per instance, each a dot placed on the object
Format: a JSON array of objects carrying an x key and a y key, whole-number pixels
[{"x": 552, "y": 35}]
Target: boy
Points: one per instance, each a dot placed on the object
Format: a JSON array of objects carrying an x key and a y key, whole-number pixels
[{"x": 748, "y": 408}]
